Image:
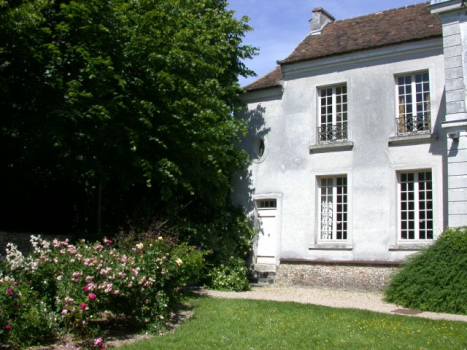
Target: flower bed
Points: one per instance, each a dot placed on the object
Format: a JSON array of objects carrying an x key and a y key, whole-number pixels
[{"x": 63, "y": 288}]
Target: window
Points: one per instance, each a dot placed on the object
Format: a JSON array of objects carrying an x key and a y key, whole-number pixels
[
  {"x": 260, "y": 149},
  {"x": 333, "y": 208},
  {"x": 414, "y": 104},
  {"x": 267, "y": 204},
  {"x": 416, "y": 205},
  {"x": 333, "y": 114}
]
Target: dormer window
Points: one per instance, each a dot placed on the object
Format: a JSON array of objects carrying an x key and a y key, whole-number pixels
[{"x": 413, "y": 104}]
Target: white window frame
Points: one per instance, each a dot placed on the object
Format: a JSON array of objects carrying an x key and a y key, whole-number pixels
[
  {"x": 335, "y": 214},
  {"x": 418, "y": 120},
  {"x": 336, "y": 130},
  {"x": 266, "y": 204},
  {"x": 417, "y": 210}
]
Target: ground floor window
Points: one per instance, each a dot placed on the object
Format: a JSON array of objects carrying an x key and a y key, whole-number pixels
[
  {"x": 416, "y": 205},
  {"x": 266, "y": 204},
  {"x": 333, "y": 208}
]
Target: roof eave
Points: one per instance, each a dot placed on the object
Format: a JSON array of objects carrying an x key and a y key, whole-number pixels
[{"x": 286, "y": 62}]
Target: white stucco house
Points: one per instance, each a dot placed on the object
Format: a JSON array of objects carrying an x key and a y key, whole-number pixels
[{"x": 358, "y": 141}]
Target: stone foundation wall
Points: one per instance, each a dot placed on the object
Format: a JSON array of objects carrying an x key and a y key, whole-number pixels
[{"x": 370, "y": 278}]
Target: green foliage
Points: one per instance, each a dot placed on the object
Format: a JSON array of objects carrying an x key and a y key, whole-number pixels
[
  {"x": 224, "y": 233},
  {"x": 118, "y": 103},
  {"x": 436, "y": 278},
  {"x": 25, "y": 318},
  {"x": 64, "y": 287},
  {"x": 230, "y": 276}
]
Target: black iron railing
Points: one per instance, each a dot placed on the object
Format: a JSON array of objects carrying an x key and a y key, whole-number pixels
[
  {"x": 413, "y": 125},
  {"x": 332, "y": 133}
]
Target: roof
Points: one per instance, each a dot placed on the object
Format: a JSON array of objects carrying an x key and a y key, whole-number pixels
[
  {"x": 270, "y": 80},
  {"x": 397, "y": 26}
]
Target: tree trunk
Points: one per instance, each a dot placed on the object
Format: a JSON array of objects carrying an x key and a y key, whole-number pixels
[{"x": 99, "y": 205}]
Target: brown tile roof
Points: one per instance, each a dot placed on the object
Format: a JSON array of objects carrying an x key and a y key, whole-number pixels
[
  {"x": 379, "y": 29},
  {"x": 270, "y": 80}
]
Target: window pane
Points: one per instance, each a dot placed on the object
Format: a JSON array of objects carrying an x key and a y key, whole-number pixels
[
  {"x": 413, "y": 114},
  {"x": 333, "y": 208},
  {"x": 333, "y": 114},
  {"x": 416, "y": 206}
]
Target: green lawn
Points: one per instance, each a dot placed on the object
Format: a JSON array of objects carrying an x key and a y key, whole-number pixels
[{"x": 248, "y": 324}]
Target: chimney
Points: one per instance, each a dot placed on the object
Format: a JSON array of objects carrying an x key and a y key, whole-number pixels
[{"x": 319, "y": 20}]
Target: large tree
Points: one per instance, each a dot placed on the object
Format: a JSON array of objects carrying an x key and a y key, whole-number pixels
[{"x": 113, "y": 102}]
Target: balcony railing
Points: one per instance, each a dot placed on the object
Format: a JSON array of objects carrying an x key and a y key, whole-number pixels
[
  {"x": 332, "y": 133},
  {"x": 413, "y": 125}
]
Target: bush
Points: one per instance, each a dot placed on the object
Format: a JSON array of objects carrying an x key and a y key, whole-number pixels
[
  {"x": 64, "y": 287},
  {"x": 231, "y": 276},
  {"x": 25, "y": 318},
  {"x": 436, "y": 278}
]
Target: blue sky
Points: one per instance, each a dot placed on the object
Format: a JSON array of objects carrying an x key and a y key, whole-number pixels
[{"x": 280, "y": 25}]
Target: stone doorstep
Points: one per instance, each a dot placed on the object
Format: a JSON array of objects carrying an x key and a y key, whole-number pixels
[
  {"x": 264, "y": 277},
  {"x": 264, "y": 273},
  {"x": 264, "y": 268}
]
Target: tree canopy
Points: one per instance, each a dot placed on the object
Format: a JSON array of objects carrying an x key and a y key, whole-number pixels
[{"x": 121, "y": 105}]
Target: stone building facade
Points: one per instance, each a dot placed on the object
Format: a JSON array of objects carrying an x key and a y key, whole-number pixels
[{"x": 358, "y": 145}]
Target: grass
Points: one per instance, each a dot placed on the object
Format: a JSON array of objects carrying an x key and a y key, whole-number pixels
[{"x": 250, "y": 325}]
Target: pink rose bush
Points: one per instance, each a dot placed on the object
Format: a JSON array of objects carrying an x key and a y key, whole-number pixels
[{"x": 68, "y": 286}]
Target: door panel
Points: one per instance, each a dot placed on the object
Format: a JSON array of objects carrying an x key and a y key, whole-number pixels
[{"x": 267, "y": 235}]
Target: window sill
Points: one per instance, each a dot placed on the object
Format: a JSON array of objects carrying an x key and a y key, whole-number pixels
[
  {"x": 409, "y": 246},
  {"x": 397, "y": 140},
  {"x": 330, "y": 147},
  {"x": 331, "y": 246}
]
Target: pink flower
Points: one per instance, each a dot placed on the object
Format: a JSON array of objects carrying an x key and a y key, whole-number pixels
[
  {"x": 98, "y": 247},
  {"x": 10, "y": 291},
  {"x": 92, "y": 296},
  {"x": 76, "y": 276},
  {"x": 107, "y": 241},
  {"x": 99, "y": 343},
  {"x": 64, "y": 312},
  {"x": 8, "y": 327},
  {"x": 68, "y": 301},
  {"x": 86, "y": 288},
  {"x": 83, "y": 306}
]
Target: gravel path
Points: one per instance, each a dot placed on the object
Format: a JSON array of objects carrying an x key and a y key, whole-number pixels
[{"x": 337, "y": 298}]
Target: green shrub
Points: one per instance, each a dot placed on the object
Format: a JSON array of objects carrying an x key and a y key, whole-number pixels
[
  {"x": 25, "y": 318},
  {"x": 64, "y": 287},
  {"x": 436, "y": 278},
  {"x": 231, "y": 276}
]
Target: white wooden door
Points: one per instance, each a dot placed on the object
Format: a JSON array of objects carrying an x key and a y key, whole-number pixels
[{"x": 267, "y": 236}]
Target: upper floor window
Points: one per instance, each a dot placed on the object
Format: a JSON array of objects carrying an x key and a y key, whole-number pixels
[
  {"x": 332, "y": 114},
  {"x": 416, "y": 205},
  {"x": 413, "y": 104}
]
